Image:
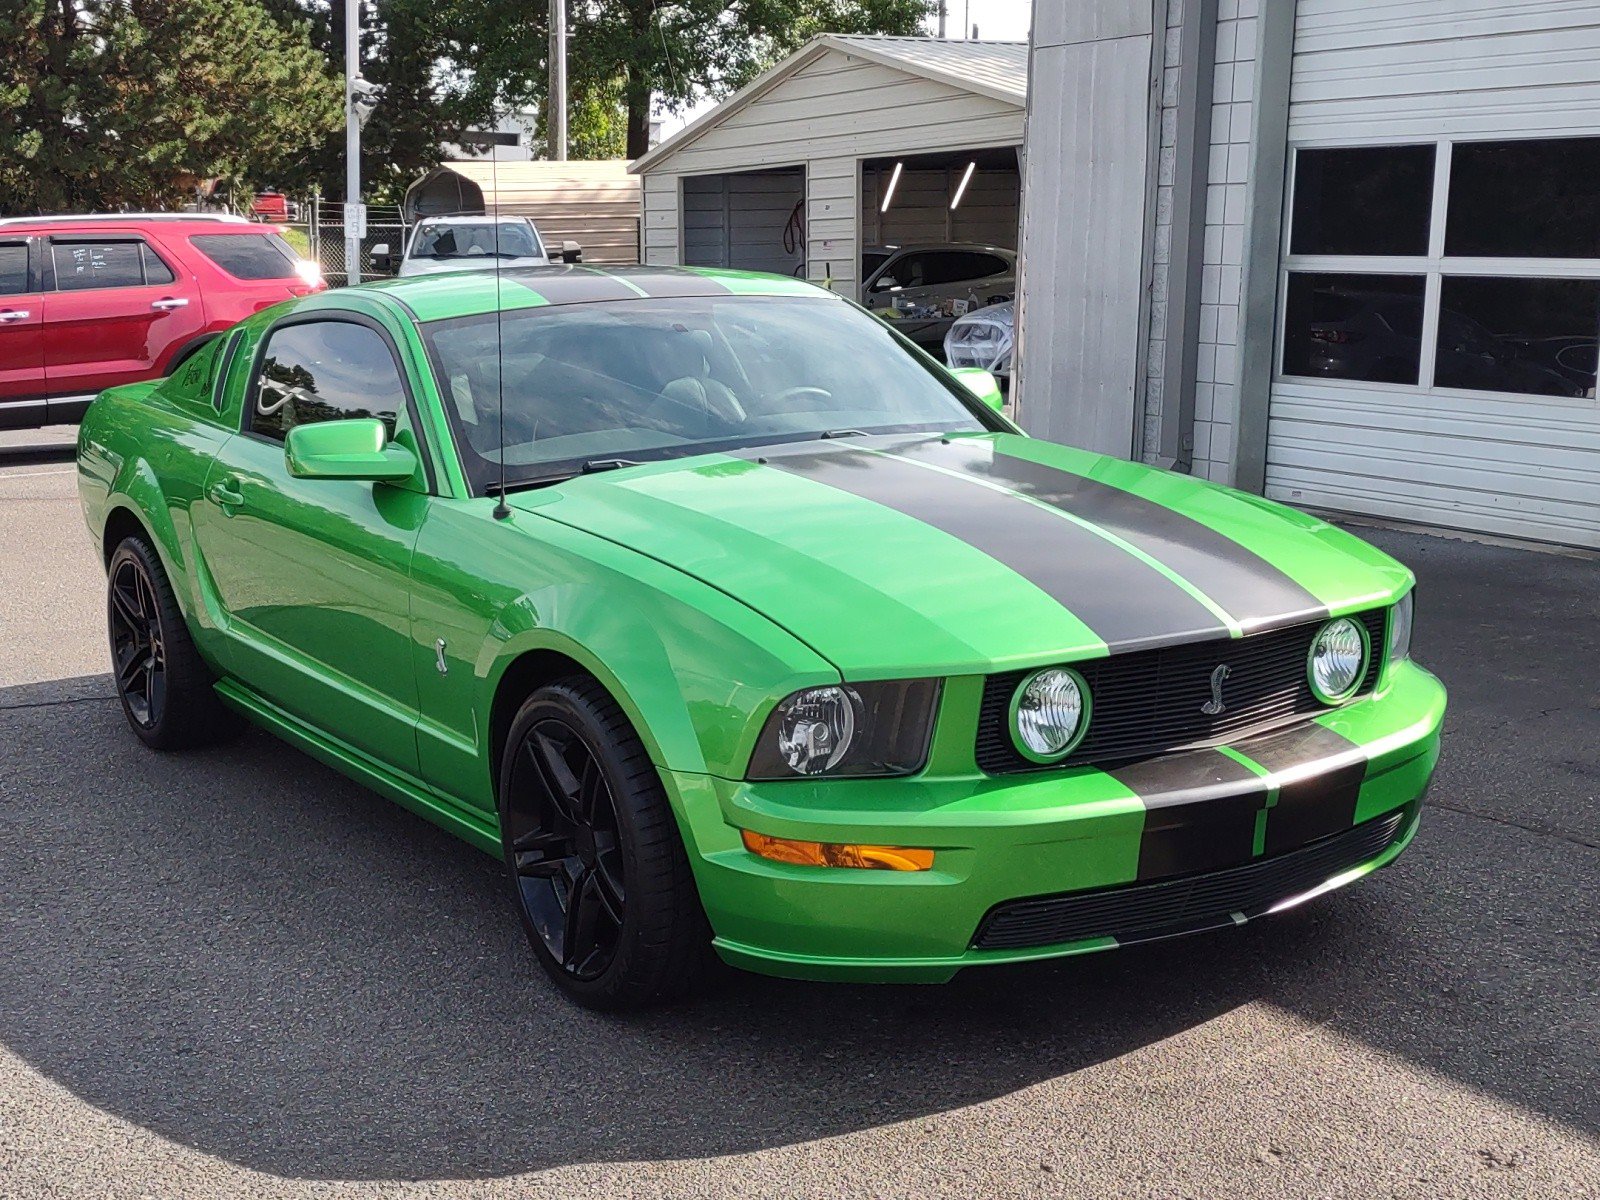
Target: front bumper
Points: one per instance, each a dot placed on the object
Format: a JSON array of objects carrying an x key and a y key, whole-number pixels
[{"x": 1233, "y": 817}]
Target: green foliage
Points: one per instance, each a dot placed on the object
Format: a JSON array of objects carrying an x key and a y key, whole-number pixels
[
  {"x": 676, "y": 51},
  {"x": 111, "y": 103}
]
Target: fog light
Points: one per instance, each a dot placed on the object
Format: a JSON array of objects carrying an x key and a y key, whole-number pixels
[{"x": 836, "y": 854}]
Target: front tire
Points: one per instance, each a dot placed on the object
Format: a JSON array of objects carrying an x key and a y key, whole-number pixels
[
  {"x": 596, "y": 863},
  {"x": 163, "y": 684}
]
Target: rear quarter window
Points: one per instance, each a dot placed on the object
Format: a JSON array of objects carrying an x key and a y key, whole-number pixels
[{"x": 248, "y": 255}]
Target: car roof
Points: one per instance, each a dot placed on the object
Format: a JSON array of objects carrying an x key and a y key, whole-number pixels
[
  {"x": 442, "y": 296},
  {"x": 91, "y": 220}
]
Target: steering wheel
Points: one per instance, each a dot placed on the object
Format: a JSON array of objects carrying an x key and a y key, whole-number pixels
[{"x": 797, "y": 393}]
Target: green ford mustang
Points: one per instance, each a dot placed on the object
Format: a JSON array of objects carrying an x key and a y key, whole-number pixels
[{"x": 735, "y": 623}]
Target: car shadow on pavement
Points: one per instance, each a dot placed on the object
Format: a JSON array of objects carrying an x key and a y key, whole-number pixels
[{"x": 252, "y": 956}]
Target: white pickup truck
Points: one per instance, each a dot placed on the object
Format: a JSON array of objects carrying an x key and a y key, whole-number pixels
[{"x": 472, "y": 243}]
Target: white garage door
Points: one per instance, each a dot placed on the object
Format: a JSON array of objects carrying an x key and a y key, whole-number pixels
[{"x": 1439, "y": 300}]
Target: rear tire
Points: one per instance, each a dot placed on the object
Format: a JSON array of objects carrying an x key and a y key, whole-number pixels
[
  {"x": 164, "y": 685},
  {"x": 596, "y": 863}
]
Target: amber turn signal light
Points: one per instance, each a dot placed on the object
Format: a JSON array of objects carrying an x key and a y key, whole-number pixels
[{"x": 836, "y": 854}]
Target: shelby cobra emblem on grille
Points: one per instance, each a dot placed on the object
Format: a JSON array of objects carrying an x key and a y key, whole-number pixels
[{"x": 1214, "y": 707}]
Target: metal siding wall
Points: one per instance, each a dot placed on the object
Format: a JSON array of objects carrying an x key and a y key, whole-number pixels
[
  {"x": 833, "y": 246},
  {"x": 1087, "y": 183},
  {"x": 661, "y": 223},
  {"x": 840, "y": 106},
  {"x": 1405, "y": 70}
]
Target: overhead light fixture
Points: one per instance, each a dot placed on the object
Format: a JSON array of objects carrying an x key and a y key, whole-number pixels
[
  {"x": 894, "y": 181},
  {"x": 961, "y": 188}
]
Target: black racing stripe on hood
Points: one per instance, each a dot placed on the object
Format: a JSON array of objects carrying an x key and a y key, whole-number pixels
[
  {"x": 1127, "y": 603},
  {"x": 1318, "y": 806},
  {"x": 1237, "y": 579}
]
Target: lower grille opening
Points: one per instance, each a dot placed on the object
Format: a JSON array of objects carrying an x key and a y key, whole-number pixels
[{"x": 1143, "y": 911}]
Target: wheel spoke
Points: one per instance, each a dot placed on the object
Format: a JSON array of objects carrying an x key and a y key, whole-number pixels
[
  {"x": 127, "y": 608},
  {"x": 578, "y": 943},
  {"x": 608, "y": 885},
  {"x": 593, "y": 781},
  {"x": 556, "y": 774},
  {"x": 128, "y": 672}
]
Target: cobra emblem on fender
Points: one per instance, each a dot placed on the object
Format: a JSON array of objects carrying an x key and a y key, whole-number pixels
[{"x": 1214, "y": 707}]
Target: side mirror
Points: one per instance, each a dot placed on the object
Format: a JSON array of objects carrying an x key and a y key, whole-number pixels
[
  {"x": 358, "y": 448},
  {"x": 571, "y": 252},
  {"x": 382, "y": 257},
  {"x": 884, "y": 283},
  {"x": 982, "y": 385}
]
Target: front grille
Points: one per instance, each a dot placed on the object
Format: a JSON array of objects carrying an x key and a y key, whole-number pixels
[
  {"x": 1144, "y": 911},
  {"x": 1149, "y": 702}
]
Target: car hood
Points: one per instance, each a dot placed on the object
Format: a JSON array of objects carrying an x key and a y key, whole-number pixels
[{"x": 898, "y": 554}]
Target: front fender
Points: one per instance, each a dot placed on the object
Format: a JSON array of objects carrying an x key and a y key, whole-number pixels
[{"x": 694, "y": 670}]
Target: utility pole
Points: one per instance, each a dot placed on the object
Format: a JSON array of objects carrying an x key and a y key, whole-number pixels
[
  {"x": 556, "y": 101},
  {"x": 943, "y": 13},
  {"x": 353, "y": 225}
]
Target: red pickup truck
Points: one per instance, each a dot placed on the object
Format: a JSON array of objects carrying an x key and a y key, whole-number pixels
[{"x": 88, "y": 303}]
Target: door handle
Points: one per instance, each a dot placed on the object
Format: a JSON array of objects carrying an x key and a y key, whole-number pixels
[
  {"x": 169, "y": 303},
  {"x": 14, "y": 315},
  {"x": 225, "y": 495}
]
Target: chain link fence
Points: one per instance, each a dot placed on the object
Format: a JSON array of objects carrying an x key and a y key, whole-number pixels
[{"x": 386, "y": 224}]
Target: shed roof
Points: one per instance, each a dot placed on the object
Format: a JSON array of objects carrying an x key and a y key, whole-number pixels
[{"x": 998, "y": 70}]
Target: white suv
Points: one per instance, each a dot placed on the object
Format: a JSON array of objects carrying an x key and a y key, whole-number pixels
[{"x": 473, "y": 243}]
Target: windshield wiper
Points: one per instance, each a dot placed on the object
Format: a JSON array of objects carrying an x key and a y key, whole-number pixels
[
  {"x": 607, "y": 464},
  {"x": 842, "y": 433}
]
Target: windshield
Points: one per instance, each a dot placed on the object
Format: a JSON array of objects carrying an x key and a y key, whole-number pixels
[
  {"x": 588, "y": 384},
  {"x": 441, "y": 239}
]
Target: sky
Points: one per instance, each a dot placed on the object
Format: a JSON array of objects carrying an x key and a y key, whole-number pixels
[{"x": 997, "y": 20}]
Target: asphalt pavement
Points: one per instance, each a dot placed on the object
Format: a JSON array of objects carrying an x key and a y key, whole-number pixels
[{"x": 236, "y": 974}]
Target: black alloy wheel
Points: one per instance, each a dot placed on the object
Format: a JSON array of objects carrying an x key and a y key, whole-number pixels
[
  {"x": 592, "y": 850},
  {"x": 166, "y": 689},
  {"x": 565, "y": 848},
  {"x": 138, "y": 649}
]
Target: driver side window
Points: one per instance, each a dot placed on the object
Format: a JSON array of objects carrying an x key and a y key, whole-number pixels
[{"x": 324, "y": 371}]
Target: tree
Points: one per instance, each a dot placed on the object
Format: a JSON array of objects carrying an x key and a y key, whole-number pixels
[
  {"x": 674, "y": 51},
  {"x": 131, "y": 103}
]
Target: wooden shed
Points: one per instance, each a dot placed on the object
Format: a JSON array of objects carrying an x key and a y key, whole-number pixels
[{"x": 595, "y": 204}]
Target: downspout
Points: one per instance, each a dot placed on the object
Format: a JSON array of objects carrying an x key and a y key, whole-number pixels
[{"x": 1197, "y": 55}]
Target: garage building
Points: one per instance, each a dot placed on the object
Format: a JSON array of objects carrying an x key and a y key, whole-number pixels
[
  {"x": 1345, "y": 252},
  {"x": 851, "y": 142}
]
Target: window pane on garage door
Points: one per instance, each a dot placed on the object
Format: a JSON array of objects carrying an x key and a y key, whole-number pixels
[
  {"x": 1529, "y": 336},
  {"x": 1366, "y": 327},
  {"x": 1363, "y": 200},
  {"x": 1528, "y": 199}
]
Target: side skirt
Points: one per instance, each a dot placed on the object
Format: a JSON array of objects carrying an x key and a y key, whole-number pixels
[{"x": 365, "y": 771}]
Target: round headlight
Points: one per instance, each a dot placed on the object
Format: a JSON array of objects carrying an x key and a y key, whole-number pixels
[
  {"x": 1338, "y": 660},
  {"x": 1049, "y": 714},
  {"x": 816, "y": 727}
]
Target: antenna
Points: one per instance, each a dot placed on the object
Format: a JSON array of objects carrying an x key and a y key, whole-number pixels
[{"x": 502, "y": 510}]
